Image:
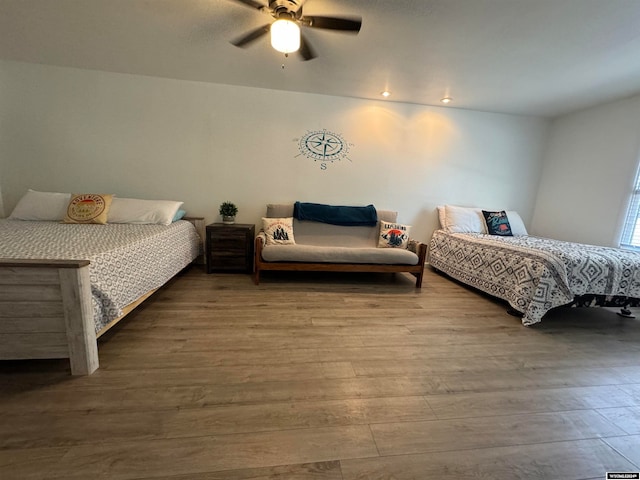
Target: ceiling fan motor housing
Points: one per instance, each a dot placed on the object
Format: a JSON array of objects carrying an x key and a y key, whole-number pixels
[{"x": 286, "y": 8}]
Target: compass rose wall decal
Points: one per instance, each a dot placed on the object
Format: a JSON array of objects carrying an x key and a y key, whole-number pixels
[{"x": 323, "y": 146}]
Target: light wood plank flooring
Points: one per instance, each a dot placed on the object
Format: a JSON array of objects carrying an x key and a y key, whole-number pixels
[{"x": 331, "y": 377}]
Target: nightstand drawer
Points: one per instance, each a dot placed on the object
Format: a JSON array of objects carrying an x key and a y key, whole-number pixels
[
  {"x": 230, "y": 244},
  {"x": 228, "y": 234},
  {"x": 228, "y": 255},
  {"x": 219, "y": 262}
]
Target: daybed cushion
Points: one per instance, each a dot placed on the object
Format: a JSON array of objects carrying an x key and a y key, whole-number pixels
[
  {"x": 342, "y": 254},
  {"x": 280, "y": 210},
  {"x": 324, "y": 234}
]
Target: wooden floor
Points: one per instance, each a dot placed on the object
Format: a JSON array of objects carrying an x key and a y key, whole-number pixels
[{"x": 331, "y": 377}]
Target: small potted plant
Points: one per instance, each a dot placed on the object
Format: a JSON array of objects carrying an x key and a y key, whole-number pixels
[{"x": 228, "y": 211}]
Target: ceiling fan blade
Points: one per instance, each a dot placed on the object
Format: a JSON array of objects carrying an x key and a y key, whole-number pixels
[
  {"x": 252, "y": 36},
  {"x": 351, "y": 25},
  {"x": 251, "y": 4},
  {"x": 305, "y": 50}
]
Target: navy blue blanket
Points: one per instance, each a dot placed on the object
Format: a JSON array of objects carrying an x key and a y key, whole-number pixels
[{"x": 336, "y": 215}]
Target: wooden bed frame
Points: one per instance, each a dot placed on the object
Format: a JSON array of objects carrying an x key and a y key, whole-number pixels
[
  {"x": 417, "y": 270},
  {"x": 46, "y": 310}
]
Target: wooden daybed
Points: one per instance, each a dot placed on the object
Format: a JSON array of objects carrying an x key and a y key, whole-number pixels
[
  {"x": 325, "y": 247},
  {"x": 416, "y": 270}
]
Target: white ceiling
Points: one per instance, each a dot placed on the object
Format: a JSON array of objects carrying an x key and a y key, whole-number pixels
[{"x": 533, "y": 57}]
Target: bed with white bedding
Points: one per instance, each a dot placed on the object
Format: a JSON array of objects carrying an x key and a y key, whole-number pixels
[
  {"x": 532, "y": 274},
  {"x": 126, "y": 260},
  {"x": 62, "y": 285}
]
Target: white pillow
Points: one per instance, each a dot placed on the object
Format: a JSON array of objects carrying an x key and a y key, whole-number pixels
[
  {"x": 41, "y": 206},
  {"x": 517, "y": 225},
  {"x": 470, "y": 220},
  {"x": 133, "y": 210},
  {"x": 464, "y": 220},
  {"x": 442, "y": 216}
]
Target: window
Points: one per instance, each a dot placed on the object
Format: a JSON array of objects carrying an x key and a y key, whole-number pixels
[{"x": 631, "y": 229}]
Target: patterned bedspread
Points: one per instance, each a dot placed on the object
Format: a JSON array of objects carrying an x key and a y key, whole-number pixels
[
  {"x": 535, "y": 274},
  {"x": 126, "y": 260}
]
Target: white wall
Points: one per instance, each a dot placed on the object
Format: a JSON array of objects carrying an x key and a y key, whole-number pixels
[
  {"x": 3, "y": 156},
  {"x": 588, "y": 174},
  {"x": 76, "y": 130}
]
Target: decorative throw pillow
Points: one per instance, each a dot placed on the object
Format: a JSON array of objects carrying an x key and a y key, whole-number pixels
[
  {"x": 88, "y": 208},
  {"x": 497, "y": 223},
  {"x": 393, "y": 235},
  {"x": 279, "y": 231}
]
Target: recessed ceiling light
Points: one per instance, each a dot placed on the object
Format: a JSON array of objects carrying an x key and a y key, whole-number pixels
[
  {"x": 446, "y": 100},
  {"x": 386, "y": 94}
]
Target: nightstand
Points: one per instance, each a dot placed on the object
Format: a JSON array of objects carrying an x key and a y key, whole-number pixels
[{"x": 229, "y": 248}]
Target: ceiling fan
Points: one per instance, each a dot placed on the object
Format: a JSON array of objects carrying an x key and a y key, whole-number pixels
[{"x": 286, "y": 28}]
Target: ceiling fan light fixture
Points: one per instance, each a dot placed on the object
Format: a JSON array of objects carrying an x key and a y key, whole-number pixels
[{"x": 285, "y": 36}]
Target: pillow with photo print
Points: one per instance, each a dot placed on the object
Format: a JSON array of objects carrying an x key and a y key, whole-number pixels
[
  {"x": 393, "y": 235},
  {"x": 497, "y": 223}
]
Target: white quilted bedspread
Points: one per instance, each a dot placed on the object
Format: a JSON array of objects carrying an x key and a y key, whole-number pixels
[{"x": 126, "y": 260}]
